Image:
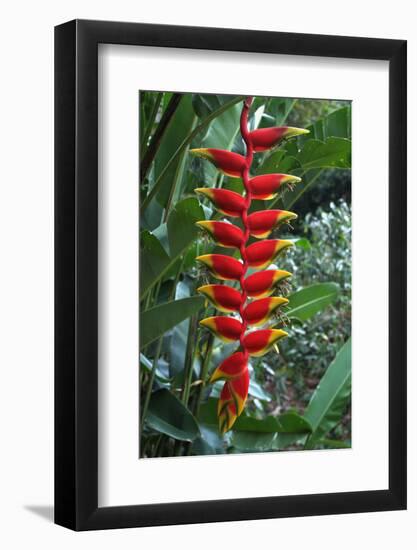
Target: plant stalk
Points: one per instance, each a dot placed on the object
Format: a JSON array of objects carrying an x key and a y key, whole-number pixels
[
  {"x": 151, "y": 122},
  {"x": 159, "y": 132},
  {"x": 204, "y": 372}
]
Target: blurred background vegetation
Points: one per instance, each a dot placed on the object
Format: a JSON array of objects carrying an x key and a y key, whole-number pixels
[{"x": 301, "y": 397}]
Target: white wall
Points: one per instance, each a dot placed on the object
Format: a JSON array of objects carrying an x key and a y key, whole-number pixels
[{"x": 26, "y": 300}]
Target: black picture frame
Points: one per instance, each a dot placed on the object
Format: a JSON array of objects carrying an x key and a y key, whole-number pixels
[{"x": 76, "y": 271}]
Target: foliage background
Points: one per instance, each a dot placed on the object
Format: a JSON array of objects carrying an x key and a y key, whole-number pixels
[{"x": 301, "y": 398}]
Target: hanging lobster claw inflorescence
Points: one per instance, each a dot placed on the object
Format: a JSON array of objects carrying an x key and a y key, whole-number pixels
[{"x": 260, "y": 285}]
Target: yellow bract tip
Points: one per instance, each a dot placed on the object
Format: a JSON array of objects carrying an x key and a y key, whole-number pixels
[{"x": 203, "y": 153}]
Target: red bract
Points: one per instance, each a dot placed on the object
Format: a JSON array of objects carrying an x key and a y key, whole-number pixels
[
  {"x": 262, "y": 223},
  {"x": 234, "y": 369},
  {"x": 222, "y": 267},
  {"x": 260, "y": 342},
  {"x": 262, "y": 283},
  {"x": 259, "y": 311},
  {"x": 265, "y": 138},
  {"x": 223, "y": 297},
  {"x": 224, "y": 233},
  {"x": 231, "y": 367},
  {"x": 263, "y": 253},
  {"x": 227, "y": 202},
  {"x": 227, "y": 162},
  {"x": 227, "y": 329},
  {"x": 266, "y": 186},
  {"x": 232, "y": 400}
]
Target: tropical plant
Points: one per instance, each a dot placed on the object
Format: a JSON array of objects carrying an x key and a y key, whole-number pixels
[
  {"x": 178, "y": 356},
  {"x": 258, "y": 255}
]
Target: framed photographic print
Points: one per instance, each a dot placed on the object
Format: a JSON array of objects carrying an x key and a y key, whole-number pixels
[{"x": 230, "y": 275}]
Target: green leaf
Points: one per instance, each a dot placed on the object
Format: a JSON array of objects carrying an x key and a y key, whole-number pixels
[
  {"x": 179, "y": 127},
  {"x": 182, "y": 230},
  {"x": 336, "y": 124},
  {"x": 208, "y": 412},
  {"x": 256, "y": 390},
  {"x": 334, "y": 444},
  {"x": 167, "y": 415},
  {"x": 331, "y": 397},
  {"x": 289, "y": 422},
  {"x": 280, "y": 108},
  {"x": 253, "y": 442},
  {"x": 185, "y": 143},
  {"x": 251, "y": 434},
  {"x": 153, "y": 260},
  {"x": 244, "y": 423},
  {"x": 308, "y": 301},
  {"x": 302, "y": 242},
  {"x": 339, "y": 123},
  {"x": 271, "y": 162},
  {"x": 146, "y": 364},
  {"x": 282, "y": 441},
  {"x": 333, "y": 153},
  {"x": 176, "y": 236},
  {"x": 178, "y": 343},
  {"x": 156, "y": 321},
  {"x": 209, "y": 443},
  {"x": 206, "y": 104},
  {"x": 291, "y": 196}
]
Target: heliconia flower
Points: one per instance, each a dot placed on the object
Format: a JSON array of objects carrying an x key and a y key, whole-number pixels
[
  {"x": 224, "y": 233},
  {"x": 266, "y": 186},
  {"x": 232, "y": 400},
  {"x": 227, "y": 202},
  {"x": 227, "y": 329},
  {"x": 227, "y": 162},
  {"x": 259, "y": 311},
  {"x": 222, "y": 267},
  {"x": 262, "y": 283},
  {"x": 231, "y": 367},
  {"x": 265, "y": 138},
  {"x": 262, "y": 223},
  {"x": 223, "y": 297},
  {"x": 234, "y": 369},
  {"x": 259, "y": 342},
  {"x": 262, "y": 253}
]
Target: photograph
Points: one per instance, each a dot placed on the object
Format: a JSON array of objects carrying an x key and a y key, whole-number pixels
[
  {"x": 245, "y": 274},
  {"x": 208, "y": 235}
]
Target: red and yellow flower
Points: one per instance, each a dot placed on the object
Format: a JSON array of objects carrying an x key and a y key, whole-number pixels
[
  {"x": 227, "y": 202},
  {"x": 262, "y": 253},
  {"x": 260, "y": 285},
  {"x": 263, "y": 283},
  {"x": 232, "y": 400},
  {"x": 222, "y": 267},
  {"x": 223, "y": 297},
  {"x": 261, "y": 341},
  {"x": 266, "y": 138},
  {"x": 262, "y": 223},
  {"x": 259, "y": 311},
  {"x": 232, "y": 367},
  {"x": 224, "y": 233},
  {"x": 266, "y": 186},
  {"x": 231, "y": 164},
  {"x": 227, "y": 329}
]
